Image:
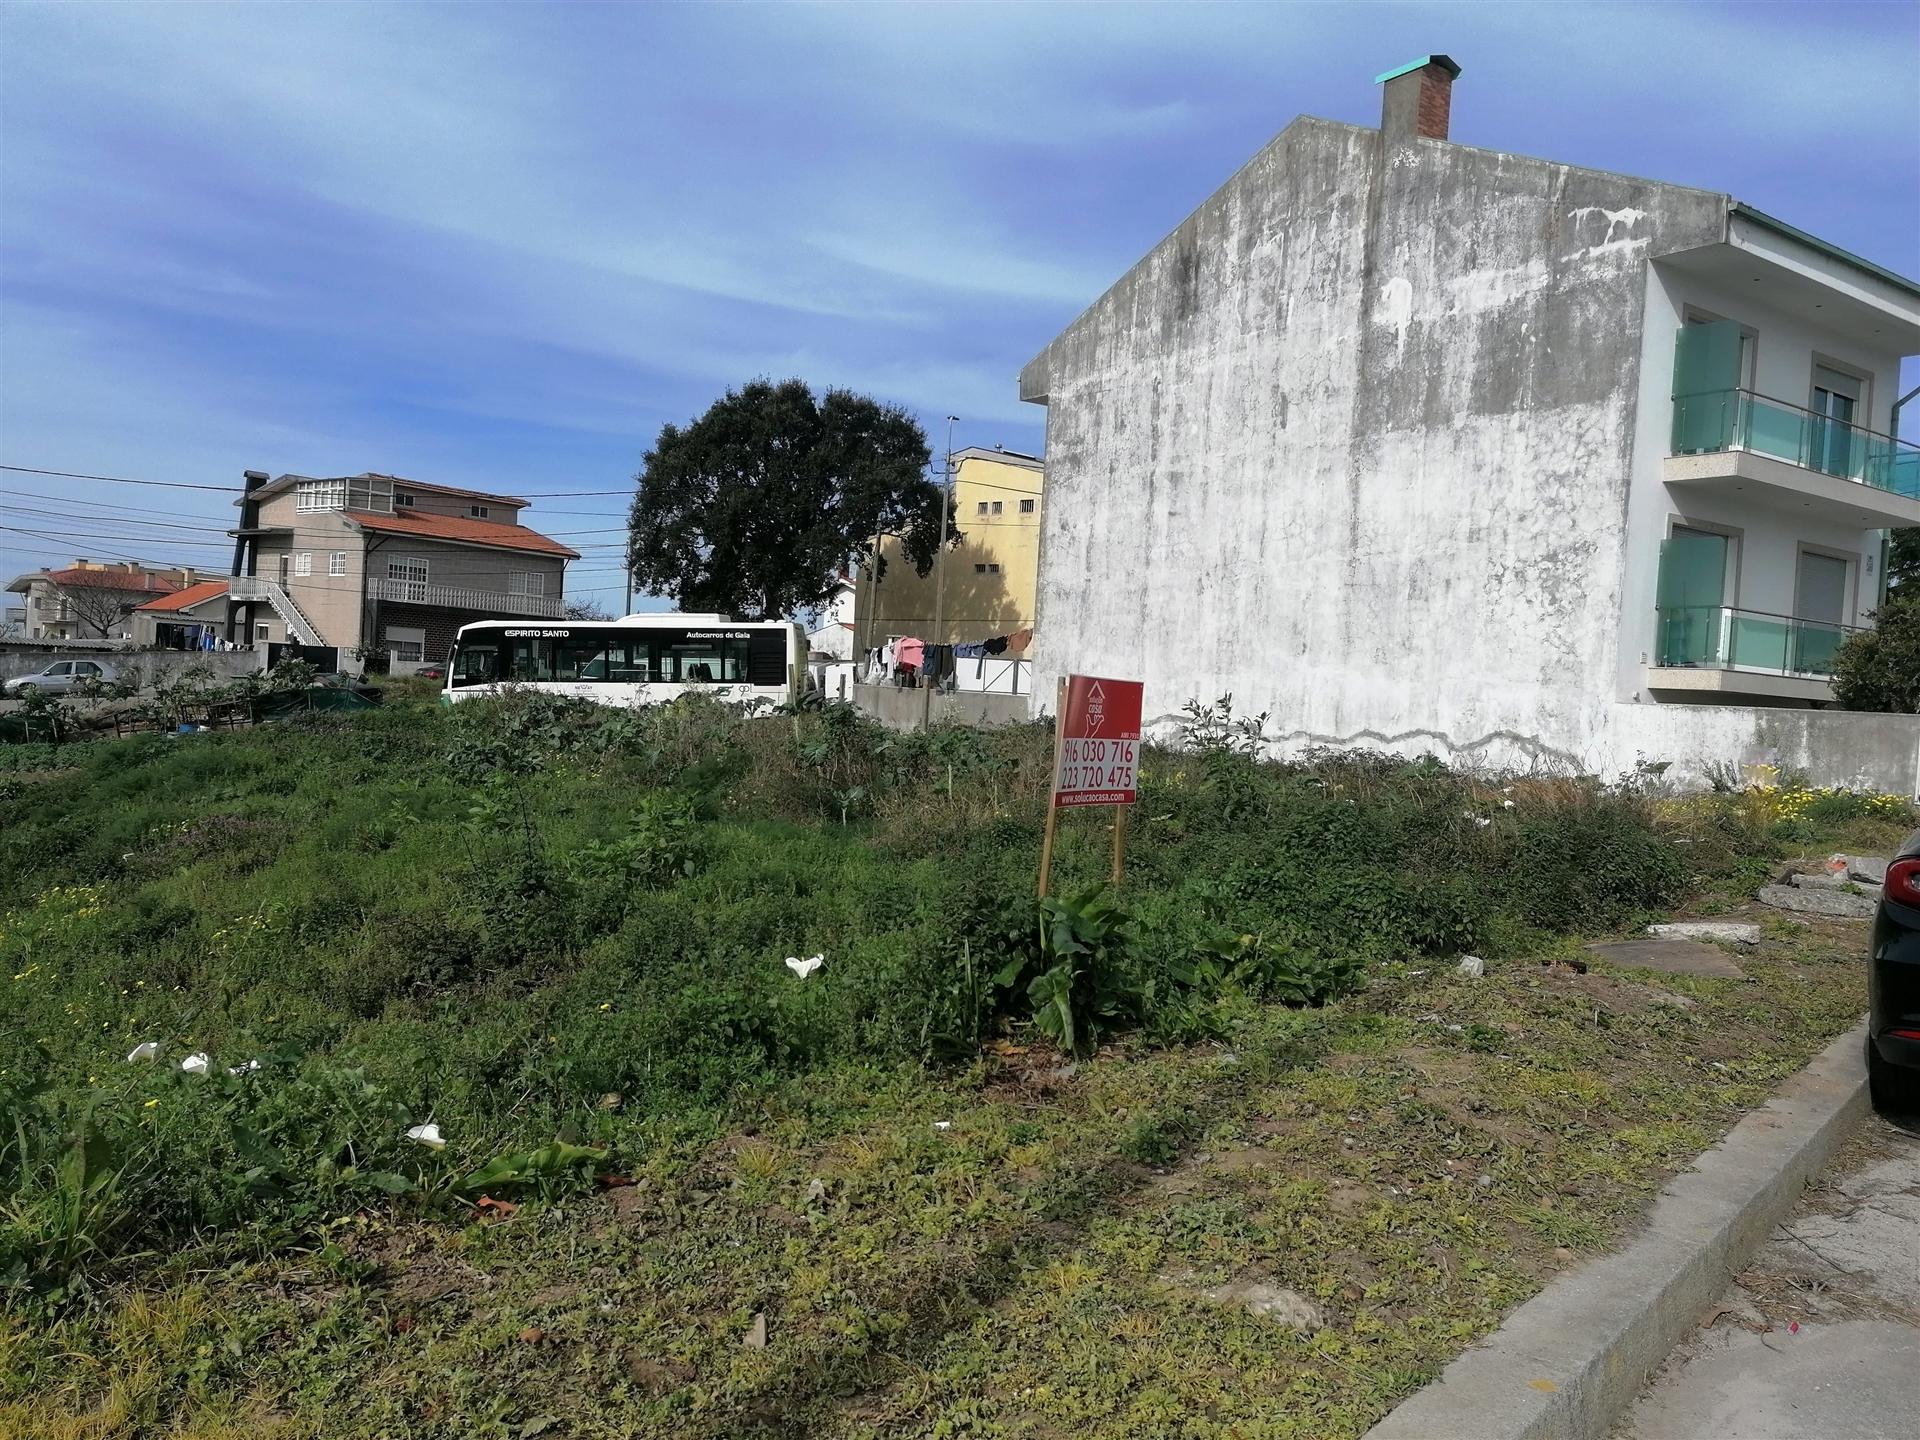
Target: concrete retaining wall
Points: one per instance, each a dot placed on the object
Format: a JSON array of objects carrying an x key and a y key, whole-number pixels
[
  {"x": 899, "y": 709},
  {"x": 225, "y": 664}
]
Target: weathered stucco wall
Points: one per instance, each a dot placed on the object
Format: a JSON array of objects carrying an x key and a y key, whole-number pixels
[
  {"x": 899, "y": 709},
  {"x": 1834, "y": 747},
  {"x": 1354, "y": 443}
]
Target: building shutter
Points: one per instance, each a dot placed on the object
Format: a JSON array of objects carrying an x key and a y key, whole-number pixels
[{"x": 1706, "y": 383}]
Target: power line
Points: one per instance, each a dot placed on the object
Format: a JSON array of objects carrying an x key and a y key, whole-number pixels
[{"x": 231, "y": 490}]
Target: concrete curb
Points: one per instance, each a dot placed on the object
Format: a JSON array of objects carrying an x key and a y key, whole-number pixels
[{"x": 1566, "y": 1363}]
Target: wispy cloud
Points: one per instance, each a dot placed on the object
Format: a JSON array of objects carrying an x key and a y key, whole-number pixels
[{"x": 505, "y": 243}]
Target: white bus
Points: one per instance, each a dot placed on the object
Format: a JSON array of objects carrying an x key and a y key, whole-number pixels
[{"x": 640, "y": 660}]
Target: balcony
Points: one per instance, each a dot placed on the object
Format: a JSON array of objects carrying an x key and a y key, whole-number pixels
[
  {"x": 1792, "y": 458},
  {"x": 459, "y": 597},
  {"x": 1717, "y": 648}
]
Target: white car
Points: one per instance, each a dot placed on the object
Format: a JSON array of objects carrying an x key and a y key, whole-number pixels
[{"x": 59, "y": 678}]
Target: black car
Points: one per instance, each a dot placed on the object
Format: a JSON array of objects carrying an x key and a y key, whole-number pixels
[{"x": 1893, "y": 987}]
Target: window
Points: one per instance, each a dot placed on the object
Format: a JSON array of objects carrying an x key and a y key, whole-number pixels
[
  {"x": 311, "y": 495},
  {"x": 402, "y": 500},
  {"x": 409, "y": 646},
  {"x": 993, "y": 569},
  {"x": 476, "y": 663},
  {"x": 85, "y": 668},
  {"x": 699, "y": 657},
  {"x": 303, "y": 563},
  {"x": 60, "y": 671},
  {"x": 979, "y": 569},
  {"x": 982, "y": 508},
  {"x": 591, "y": 657},
  {"x": 1834, "y": 445},
  {"x": 1026, "y": 507},
  {"x": 533, "y": 584},
  {"x": 261, "y": 632},
  {"x": 478, "y": 512},
  {"x": 407, "y": 579},
  {"x": 337, "y": 563},
  {"x": 996, "y": 507}
]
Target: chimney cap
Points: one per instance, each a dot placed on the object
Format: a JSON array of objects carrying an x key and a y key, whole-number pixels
[{"x": 1445, "y": 62}]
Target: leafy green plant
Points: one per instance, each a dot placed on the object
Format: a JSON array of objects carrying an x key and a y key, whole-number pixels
[
  {"x": 1074, "y": 973},
  {"x": 554, "y": 1164}
]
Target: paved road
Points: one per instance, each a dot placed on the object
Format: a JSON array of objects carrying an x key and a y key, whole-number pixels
[{"x": 1819, "y": 1337}]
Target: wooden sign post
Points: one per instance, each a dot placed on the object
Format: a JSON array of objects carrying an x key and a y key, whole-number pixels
[{"x": 1096, "y": 753}]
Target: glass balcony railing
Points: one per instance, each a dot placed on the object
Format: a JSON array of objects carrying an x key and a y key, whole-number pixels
[
  {"x": 1741, "y": 420},
  {"x": 1719, "y": 637}
]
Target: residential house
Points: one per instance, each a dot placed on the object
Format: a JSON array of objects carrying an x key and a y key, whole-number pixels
[
  {"x": 1425, "y": 446},
  {"x": 91, "y": 599},
  {"x": 990, "y": 576},
  {"x": 377, "y": 565},
  {"x": 191, "y": 619},
  {"x": 831, "y": 637}
]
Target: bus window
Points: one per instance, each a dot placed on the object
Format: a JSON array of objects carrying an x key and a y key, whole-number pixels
[
  {"x": 687, "y": 660},
  {"x": 476, "y": 663},
  {"x": 529, "y": 657},
  {"x": 588, "y": 657}
]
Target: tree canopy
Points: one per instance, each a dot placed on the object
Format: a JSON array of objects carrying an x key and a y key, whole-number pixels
[
  {"x": 1903, "y": 558},
  {"x": 756, "y": 507},
  {"x": 1879, "y": 669}
]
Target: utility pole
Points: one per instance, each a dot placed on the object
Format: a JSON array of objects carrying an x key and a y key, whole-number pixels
[{"x": 939, "y": 581}]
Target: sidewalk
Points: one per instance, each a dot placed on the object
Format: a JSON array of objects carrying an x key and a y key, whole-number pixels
[{"x": 1818, "y": 1338}]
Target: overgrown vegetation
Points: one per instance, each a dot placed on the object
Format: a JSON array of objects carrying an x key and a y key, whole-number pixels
[
  {"x": 1879, "y": 669},
  {"x": 560, "y": 934}
]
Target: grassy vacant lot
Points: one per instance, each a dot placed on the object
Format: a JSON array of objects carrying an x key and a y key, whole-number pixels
[{"x": 991, "y": 1170}]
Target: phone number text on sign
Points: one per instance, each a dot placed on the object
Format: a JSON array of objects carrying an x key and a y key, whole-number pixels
[{"x": 1097, "y": 772}]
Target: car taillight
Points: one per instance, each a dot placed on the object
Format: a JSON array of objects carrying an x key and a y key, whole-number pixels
[{"x": 1903, "y": 881}]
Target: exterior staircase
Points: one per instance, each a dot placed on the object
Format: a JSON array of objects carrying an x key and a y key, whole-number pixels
[{"x": 253, "y": 587}]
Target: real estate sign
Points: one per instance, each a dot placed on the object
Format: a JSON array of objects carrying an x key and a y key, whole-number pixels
[{"x": 1099, "y": 742}]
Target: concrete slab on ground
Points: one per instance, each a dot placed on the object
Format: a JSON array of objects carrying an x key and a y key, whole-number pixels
[
  {"x": 1675, "y": 957},
  {"x": 1818, "y": 1337},
  {"x": 1818, "y": 902}
]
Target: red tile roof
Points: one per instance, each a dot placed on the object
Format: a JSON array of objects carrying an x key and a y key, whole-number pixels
[
  {"x": 188, "y": 598},
  {"x": 126, "y": 580},
  {"x": 455, "y": 527}
]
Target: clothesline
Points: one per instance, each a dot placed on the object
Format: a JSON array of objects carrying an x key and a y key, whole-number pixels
[{"x": 909, "y": 660}]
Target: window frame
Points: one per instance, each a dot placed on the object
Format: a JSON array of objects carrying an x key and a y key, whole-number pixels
[
  {"x": 302, "y": 564},
  {"x": 1027, "y": 507},
  {"x": 336, "y": 563}
]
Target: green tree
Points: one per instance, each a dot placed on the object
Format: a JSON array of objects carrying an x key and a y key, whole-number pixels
[
  {"x": 1879, "y": 669},
  {"x": 755, "y": 508},
  {"x": 1903, "y": 558}
]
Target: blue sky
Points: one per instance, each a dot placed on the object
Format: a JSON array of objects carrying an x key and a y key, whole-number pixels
[{"x": 500, "y": 246}]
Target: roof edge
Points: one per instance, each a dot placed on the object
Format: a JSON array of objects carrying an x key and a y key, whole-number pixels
[{"x": 1900, "y": 282}]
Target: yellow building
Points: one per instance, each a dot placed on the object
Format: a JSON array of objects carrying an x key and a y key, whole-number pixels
[{"x": 992, "y": 575}]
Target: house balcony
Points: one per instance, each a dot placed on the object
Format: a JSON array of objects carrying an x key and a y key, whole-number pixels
[
  {"x": 459, "y": 597},
  {"x": 1789, "y": 458},
  {"x": 1719, "y": 650}
]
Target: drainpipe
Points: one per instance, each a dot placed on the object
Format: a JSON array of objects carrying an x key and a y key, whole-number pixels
[{"x": 1886, "y": 536}]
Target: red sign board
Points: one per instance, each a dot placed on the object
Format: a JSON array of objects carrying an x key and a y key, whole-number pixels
[{"x": 1099, "y": 749}]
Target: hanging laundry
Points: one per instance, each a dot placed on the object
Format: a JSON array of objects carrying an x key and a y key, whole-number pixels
[
  {"x": 1019, "y": 640},
  {"x": 997, "y": 645},
  {"x": 972, "y": 650},
  {"x": 909, "y": 652}
]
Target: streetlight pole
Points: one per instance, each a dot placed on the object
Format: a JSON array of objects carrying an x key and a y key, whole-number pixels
[{"x": 939, "y": 582}]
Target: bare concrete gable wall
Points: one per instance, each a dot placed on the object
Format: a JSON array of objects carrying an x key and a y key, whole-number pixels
[{"x": 1354, "y": 442}]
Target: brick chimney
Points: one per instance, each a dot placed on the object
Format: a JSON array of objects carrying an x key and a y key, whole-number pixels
[{"x": 1416, "y": 99}]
